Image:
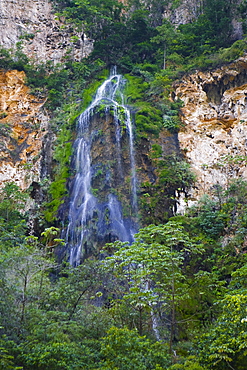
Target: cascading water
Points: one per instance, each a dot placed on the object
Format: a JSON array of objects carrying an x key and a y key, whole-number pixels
[{"x": 103, "y": 200}]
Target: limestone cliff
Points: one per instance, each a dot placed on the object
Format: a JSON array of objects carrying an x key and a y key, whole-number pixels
[
  {"x": 214, "y": 116},
  {"x": 186, "y": 11},
  {"x": 34, "y": 23},
  {"x": 23, "y": 126}
]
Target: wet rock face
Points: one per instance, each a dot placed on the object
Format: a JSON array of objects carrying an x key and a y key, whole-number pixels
[
  {"x": 156, "y": 199},
  {"x": 214, "y": 137},
  {"x": 34, "y": 23},
  {"x": 23, "y": 127},
  {"x": 110, "y": 165}
]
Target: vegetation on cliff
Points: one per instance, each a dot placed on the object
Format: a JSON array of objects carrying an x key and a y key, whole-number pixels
[{"x": 176, "y": 298}]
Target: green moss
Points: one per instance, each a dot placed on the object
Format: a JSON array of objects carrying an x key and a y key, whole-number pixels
[
  {"x": 64, "y": 125},
  {"x": 90, "y": 90},
  {"x": 156, "y": 151},
  {"x": 148, "y": 119},
  {"x": 135, "y": 88},
  {"x": 57, "y": 190},
  {"x": 95, "y": 192},
  {"x": 99, "y": 172}
]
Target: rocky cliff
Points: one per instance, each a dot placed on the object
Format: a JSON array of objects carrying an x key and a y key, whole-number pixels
[
  {"x": 214, "y": 116},
  {"x": 43, "y": 36},
  {"x": 23, "y": 127},
  {"x": 213, "y": 137},
  {"x": 186, "y": 11}
]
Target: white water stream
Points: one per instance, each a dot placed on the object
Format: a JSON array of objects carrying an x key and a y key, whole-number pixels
[{"x": 83, "y": 224}]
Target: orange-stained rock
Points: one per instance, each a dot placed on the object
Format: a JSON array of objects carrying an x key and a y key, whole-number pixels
[
  {"x": 214, "y": 137},
  {"x": 23, "y": 125}
]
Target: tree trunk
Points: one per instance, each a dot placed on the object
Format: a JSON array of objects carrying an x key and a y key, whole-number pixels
[{"x": 164, "y": 62}]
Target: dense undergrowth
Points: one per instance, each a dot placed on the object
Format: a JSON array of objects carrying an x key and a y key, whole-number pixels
[{"x": 175, "y": 299}]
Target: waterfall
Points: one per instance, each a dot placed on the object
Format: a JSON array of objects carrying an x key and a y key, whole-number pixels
[{"x": 103, "y": 157}]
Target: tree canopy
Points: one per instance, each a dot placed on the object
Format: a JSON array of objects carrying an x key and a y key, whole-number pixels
[{"x": 175, "y": 298}]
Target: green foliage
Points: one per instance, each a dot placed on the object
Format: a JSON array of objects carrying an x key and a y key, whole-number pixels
[
  {"x": 177, "y": 280},
  {"x": 60, "y": 355},
  {"x": 173, "y": 174},
  {"x": 57, "y": 189},
  {"x": 10, "y": 59},
  {"x": 156, "y": 151},
  {"x": 148, "y": 120},
  {"x": 64, "y": 123},
  {"x": 122, "y": 348},
  {"x": 6, "y": 360},
  {"x": 152, "y": 266},
  {"x": 225, "y": 214},
  {"x": 171, "y": 123},
  {"x": 135, "y": 88},
  {"x": 225, "y": 344},
  {"x": 90, "y": 90},
  {"x": 27, "y": 36},
  {"x": 210, "y": 31},
  {"x": 148, "y": 94},
  {"x": 120, "y": 37},
  {"x": 233, "y": 52},
  {"x": 12, "y": 219},
  {"x": 12, "y": 202},
  {"x": 210, "y": 218},
  {"x": 46, "y": 79},
  {"x": 190, "y": 364},
  {"x": 166, "y": 36}
]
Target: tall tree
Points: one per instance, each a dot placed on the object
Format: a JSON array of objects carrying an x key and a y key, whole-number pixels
[
  {"x": 152, "y": 266},
  {"x": 166, "y": 36}
]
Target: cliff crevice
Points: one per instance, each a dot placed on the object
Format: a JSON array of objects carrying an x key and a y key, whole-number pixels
[
  {"x": 214, "y": 117},
  {"x": 24, "y": 125}
]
